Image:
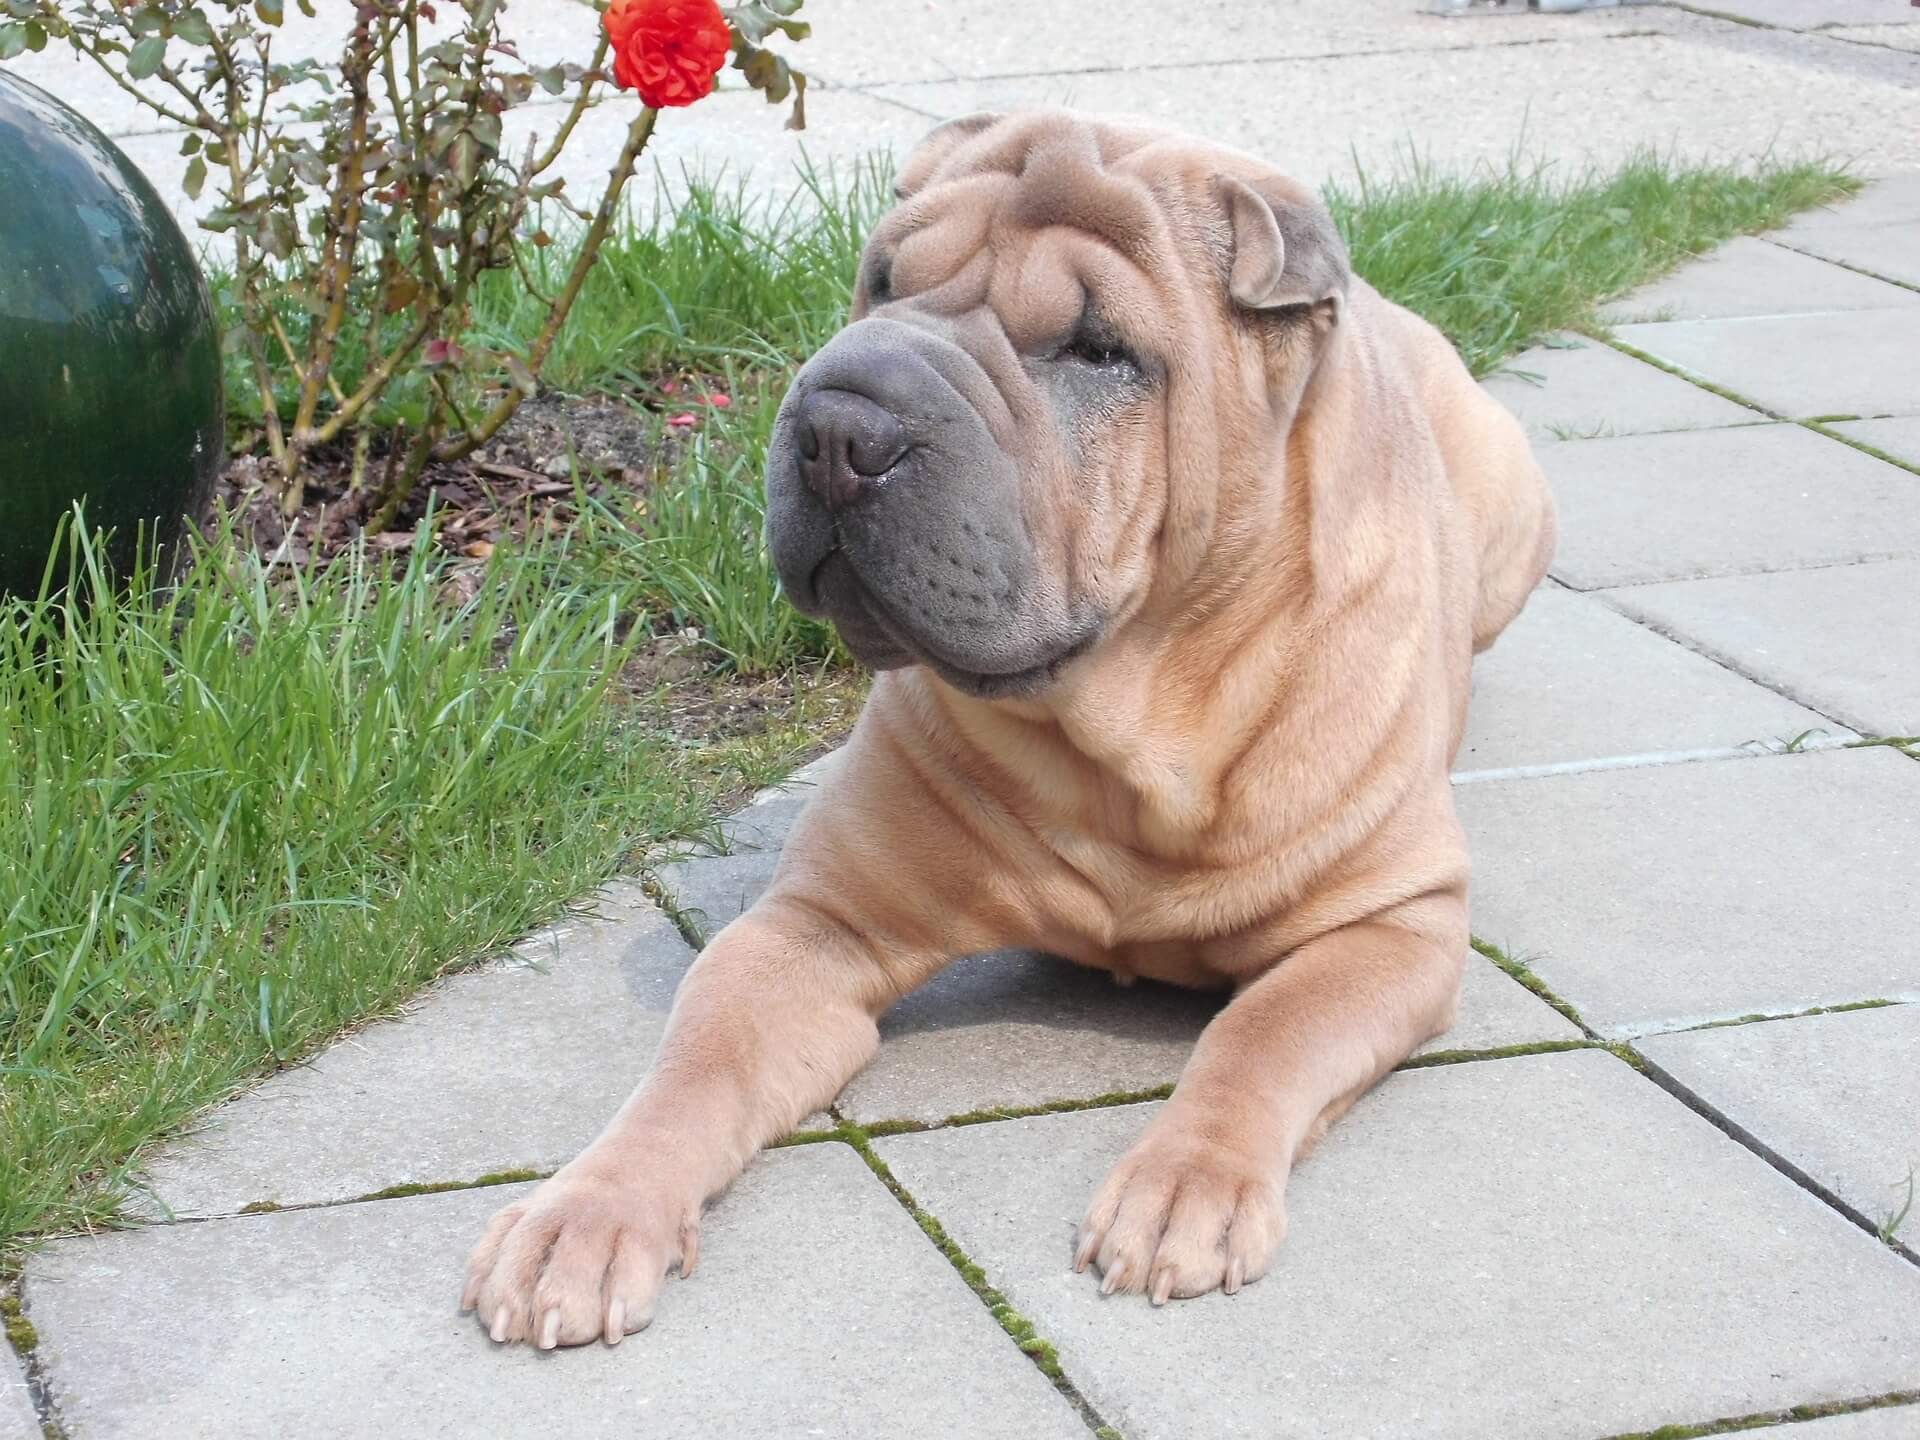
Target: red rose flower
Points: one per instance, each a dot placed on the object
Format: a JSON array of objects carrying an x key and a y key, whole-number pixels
[{"x": 667, "y": 50}]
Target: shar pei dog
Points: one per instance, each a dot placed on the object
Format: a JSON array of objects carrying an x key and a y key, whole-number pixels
[{"x": 1172, "y": 543}]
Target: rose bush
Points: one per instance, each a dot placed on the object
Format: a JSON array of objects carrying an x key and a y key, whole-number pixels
[{"x": 365, "y": 200}]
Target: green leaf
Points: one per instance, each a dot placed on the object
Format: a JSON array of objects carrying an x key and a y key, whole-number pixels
[
  {"x": 194, "y": 28},
  {"x": 190, "y": 145},
  {"x": 271, "y": 12},
  {"x": 13, "y": 39},
  {"x": 146, "y": 56},
  {"x": 36, "y": 36},
  {"x": 553, "y": 79},
  {"x": 196, "y": 177}
]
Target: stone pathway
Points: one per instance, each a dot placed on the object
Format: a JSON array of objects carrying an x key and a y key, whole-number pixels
[{"x": 1653, "y": 1177}]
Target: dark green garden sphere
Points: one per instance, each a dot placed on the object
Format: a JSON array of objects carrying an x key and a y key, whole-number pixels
[{"x": 109, "y": 357}]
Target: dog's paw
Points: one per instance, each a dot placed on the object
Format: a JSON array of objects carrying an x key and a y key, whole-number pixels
[
  {"x": 1177, "y": 1217},
  {"x": 580, "y": 1259}
]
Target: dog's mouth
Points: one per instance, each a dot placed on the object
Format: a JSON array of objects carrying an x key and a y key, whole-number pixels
[{"x": 880, "y": 640}]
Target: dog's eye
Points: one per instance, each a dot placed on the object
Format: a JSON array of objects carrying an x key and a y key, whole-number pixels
[{"x": 1095, "y": 350}]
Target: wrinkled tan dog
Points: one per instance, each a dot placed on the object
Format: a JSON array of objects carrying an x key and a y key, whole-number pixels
[{"x": 1174, "y": 541}]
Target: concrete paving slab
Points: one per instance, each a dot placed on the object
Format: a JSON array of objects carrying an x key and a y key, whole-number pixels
[
  {"x": 856, "y": 42},
  {"x": 1657, "y": 899},
  {"x": 1016, "y": 1029},
  {"x": 1686, "y": 94},
  {"x": 1853, "y": 363},
  {"x": 1734, "y": 502},
  {"x": 1841, "y": 641},
  {"x": 1581, "y": 389},
  {"x": 1572, "y": 684},
  {"x": 340, "y": 1322},
  {"x": 1836, "y": 1095},
  {"x": 17, "y": 1418},
  {"x": 1898, "y": 438},
  {"x": 512, "y": 1066},
  {"x": 1749, "y": 276},
  {"x": 1657, "y": 1271}
]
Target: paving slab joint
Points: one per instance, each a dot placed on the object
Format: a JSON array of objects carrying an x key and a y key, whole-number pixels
[
  {"x": 1519, "y": 970},
  {"x": 1019, "y": 1329},
  {"x": 1633, "y": 352},
  {"x": 1845, "y": 264},
  {"x": 1880, "y": 1230},
  {"x": 1820, "y": 426},
  {"x": 687, "y": 922},
  {"x": 24, "y": 1341},
  {"x": 1800, "y": 746},
  {"x": 1707, "y": 13},
  {"x": 1115, "y": 1099},
  {"x": 1761, "y": 1019},
  {"x": 1498, "y": 1052},
  {"x": 1767, "y": 1419}
]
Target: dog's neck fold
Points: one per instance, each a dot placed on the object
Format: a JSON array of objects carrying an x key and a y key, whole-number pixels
[{"x": 1169, "y": 715}]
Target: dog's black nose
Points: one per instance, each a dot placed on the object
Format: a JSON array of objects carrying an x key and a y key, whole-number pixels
[{"x": 846, "y": 442}]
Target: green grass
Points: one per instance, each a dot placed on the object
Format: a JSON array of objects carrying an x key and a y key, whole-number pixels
[
  {"x": 1500, "y": 257},
  {"x": 239, "y": 816}
]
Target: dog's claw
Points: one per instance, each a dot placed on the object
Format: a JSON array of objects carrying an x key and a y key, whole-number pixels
[
  {"x": 498, "y": 1332},
  {"x": 1083, "y": 1256},
  {"x": 615, "y": 1329},
  {"x": 1162, "y": 1287},
  {"x": 550, "y": 1329}
]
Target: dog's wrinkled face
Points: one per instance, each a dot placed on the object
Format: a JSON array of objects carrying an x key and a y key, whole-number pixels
[{"x": 1060, "y": 339}]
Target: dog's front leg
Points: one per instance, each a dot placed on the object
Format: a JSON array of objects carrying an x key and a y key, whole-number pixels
[
  {"x": 873, "y": 896},
  {"x": 1198, "y": 1203}
]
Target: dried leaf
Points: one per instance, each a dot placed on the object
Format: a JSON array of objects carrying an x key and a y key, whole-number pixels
[{"x": 402, "y": 291}]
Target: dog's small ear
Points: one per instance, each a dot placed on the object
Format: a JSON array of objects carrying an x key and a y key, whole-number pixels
[
  {"x": 935, "y": 146},
  {"x": 1286, "y": 251}
]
